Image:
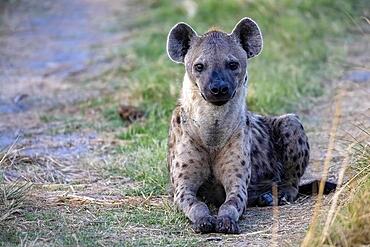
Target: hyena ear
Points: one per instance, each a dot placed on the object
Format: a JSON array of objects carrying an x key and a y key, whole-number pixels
[
  {"x": 178, "y": 41},
  {"x": 249, "y": 35}
]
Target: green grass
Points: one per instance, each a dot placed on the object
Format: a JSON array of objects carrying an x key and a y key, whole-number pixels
[
  {"x": 141, "y": 225},
  {"x": 296, "y": 60}
]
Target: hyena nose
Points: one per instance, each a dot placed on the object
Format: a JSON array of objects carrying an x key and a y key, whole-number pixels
[{"x": 219, "y": 88}]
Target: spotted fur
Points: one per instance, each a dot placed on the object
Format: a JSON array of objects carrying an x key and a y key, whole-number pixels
[{"x": 221, "y": 153}]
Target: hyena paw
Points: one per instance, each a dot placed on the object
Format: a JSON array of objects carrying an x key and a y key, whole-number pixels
[
  {"x": 266, "y": 199},
  {"x": 287, "y": 195},
  {"x": 227, "y": 225},
  {"x": 205, "y": 225}
]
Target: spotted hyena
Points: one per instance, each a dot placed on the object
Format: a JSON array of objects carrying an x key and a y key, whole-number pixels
[{"x": 218, "y": 151}]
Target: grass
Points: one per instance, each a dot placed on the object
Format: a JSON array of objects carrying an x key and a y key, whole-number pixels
[
  {"x": 292, "y": 68},
  {"x": 142, "y": 225},
  {"x": 12, "y": 198},
  {"x": 349, "y": 225}
]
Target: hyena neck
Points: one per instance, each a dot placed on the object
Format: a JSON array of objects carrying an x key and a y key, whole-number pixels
[{"x": 213, "y": 124}]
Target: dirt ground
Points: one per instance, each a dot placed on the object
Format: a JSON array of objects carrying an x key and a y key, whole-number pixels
[{"x": 51, "y": 56}]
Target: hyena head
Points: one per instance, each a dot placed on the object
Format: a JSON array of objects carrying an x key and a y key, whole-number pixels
[{"x": 215, "y": 62}]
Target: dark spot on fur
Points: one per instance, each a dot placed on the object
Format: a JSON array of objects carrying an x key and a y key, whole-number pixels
[
  {"x": 306, "y": 153},
  {"x": 240, "y": 197},
  {"x": 242, "y": 162},
  {"x": 247, "y": 121},
  {"x": 255, "y": 151},
  {"x": 285, "y": 156},
  {"x": 287, "y": 135},
  {"x": 260, "y": 139},
  {"x": 184, "y": 165},
  {"x": 191, "y": 161},
  {"x": 177, "y": 164},
  {"x": 178, "y": 119},
  {"x": 300, "y": 141},
  {"x": 295, "y": 158},
  {"x": 244, "y": 192},
  {"x": 236, "y": 169},
  {"x": 180, "y": 175},
  {"x": 191, "y": 204},
  {"x": 239, "y": 175},
  {"x": 186, "y": 177}
]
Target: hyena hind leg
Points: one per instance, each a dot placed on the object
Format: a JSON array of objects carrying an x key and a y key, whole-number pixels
[{"x": 293, "y": 149}]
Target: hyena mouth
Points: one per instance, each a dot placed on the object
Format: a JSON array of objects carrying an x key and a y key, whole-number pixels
[
  {"x": 217, "y": 103},
  {"x": 220, "y": 103}
]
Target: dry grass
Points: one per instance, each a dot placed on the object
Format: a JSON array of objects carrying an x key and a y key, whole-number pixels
[
  {"x": 12, "y": 195},
  {"x": 332, "y": 136},
  {"x": 350, "y": 224},
  {"x": 347, "y": 222},
  {"x": 17, "y": 165}
]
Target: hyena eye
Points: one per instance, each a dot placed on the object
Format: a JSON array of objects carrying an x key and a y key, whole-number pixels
[
  {"x": 233, "y": 65},
  {"x": 199, "y": 67}
]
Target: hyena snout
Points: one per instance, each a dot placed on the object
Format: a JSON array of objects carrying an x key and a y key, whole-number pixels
[
  {"x": 219, "y": 88},
  {"x": 219, "y": 91}
]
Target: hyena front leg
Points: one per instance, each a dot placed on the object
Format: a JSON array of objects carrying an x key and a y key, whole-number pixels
[
  {"x": 189, "y": 170},
  {"x": 234, "y": 171}
]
